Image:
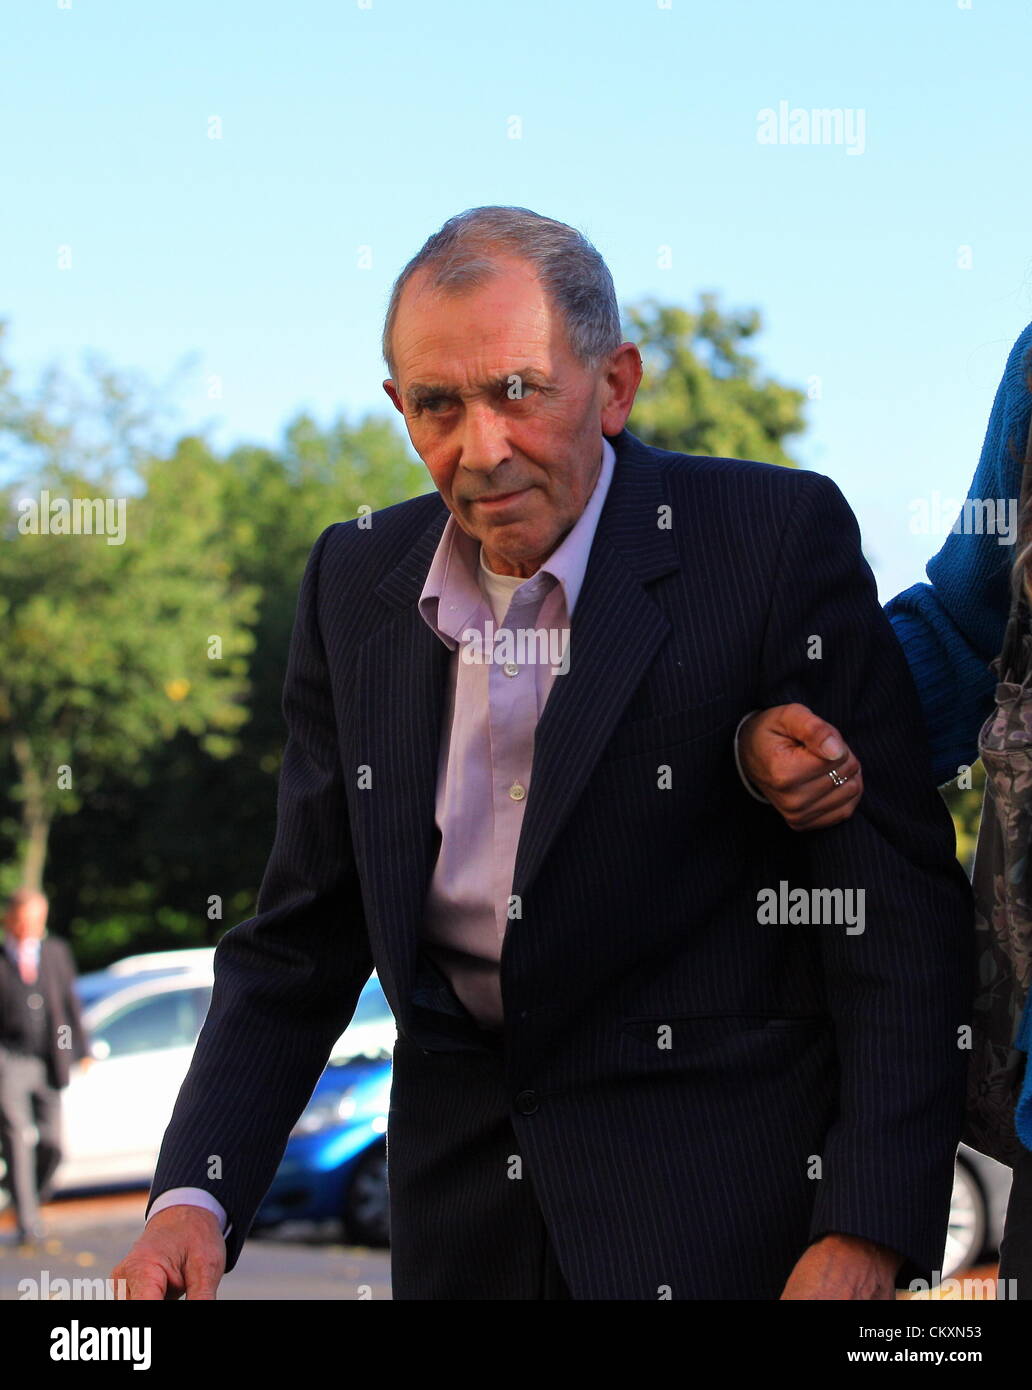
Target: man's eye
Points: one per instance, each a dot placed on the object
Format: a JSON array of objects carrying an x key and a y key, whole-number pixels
[{"x": 431, "y": 402}]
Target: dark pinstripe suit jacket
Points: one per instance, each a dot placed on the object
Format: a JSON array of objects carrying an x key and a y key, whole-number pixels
[{"x": 712, "y": 1092}]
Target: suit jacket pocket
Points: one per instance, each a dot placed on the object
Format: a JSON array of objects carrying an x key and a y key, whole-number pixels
[
  {"x": 683, "y": 1028},
  {"x": 657, "y": 732}
]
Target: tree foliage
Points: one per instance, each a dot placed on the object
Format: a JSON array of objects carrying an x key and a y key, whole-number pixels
[
  {"x": 701, "y": 392},
  {"x": 108, "y": 611}
]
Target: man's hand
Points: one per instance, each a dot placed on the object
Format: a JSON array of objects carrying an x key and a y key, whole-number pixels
[
  {"x": 787, "y": 752},
  {"x": 180, "y": 1251},
  {"x": 843, "y": 1268}
]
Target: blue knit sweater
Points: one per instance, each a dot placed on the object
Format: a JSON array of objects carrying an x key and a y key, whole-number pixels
[{"x": 953, "y": 627}]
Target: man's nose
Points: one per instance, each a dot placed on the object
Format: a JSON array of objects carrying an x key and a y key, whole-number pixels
[{"x": 485, "y": 442}]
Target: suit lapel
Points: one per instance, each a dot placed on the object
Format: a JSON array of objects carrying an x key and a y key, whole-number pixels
[
  {"x": 615, "y": 633},
  {"x": 401, "y": 681}
]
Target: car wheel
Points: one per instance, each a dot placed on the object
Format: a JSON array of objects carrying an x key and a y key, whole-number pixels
[
  {"x": 965, "y": 1240},
  {"x": 365, "y": 1206}
]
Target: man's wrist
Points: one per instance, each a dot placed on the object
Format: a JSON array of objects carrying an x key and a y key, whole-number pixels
[
  {"x": 190, "y": 1197},
  {"x": 862, "y": 1245}
]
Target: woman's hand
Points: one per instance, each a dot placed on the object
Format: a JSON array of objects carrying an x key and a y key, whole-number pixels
[{"x": 787, "y": 753}]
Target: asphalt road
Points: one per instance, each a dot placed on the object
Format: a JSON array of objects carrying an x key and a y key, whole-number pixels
[{"x": 88, "y": 1236}]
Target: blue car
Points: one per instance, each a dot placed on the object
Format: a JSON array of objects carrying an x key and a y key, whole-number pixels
[{"x": 335, "y": 1163}]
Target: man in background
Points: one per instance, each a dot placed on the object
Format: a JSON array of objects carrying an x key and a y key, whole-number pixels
[{"x": 41, "y": 1031}]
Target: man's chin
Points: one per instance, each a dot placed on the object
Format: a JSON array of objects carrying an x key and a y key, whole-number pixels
[{"x": 511, "y": 546}]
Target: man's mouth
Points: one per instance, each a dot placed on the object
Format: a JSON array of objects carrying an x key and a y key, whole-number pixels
[{"x": 499, "y": 500}]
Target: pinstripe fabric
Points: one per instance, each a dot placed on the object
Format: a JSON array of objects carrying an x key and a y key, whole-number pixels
[
  {"x": 483, "y": 1235},
  {"x": 687, "y": 1169}
]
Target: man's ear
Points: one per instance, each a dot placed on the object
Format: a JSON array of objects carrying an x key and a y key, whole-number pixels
[
  {"x": 392, "y": 391},
  {"x": 623, "y": 378}
]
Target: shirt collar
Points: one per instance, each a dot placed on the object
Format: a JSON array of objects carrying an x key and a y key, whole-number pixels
[
  {"x": 30, "y": 947},
  {"x": 452, "y": 594}
]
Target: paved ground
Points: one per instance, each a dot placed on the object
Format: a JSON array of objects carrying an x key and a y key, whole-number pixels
[{"x": 88, "y": 1236}]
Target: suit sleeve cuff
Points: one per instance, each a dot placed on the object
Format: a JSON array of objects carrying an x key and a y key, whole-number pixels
[
  {"x": 738, "y": 762},
  {"x": 190, "y": 1197}
]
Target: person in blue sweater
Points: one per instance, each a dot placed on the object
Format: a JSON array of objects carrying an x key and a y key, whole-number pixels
[{"x": 950, "y": 630}]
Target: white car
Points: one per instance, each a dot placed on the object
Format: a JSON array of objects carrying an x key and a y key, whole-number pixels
[{"x": 143, "y": 1015}]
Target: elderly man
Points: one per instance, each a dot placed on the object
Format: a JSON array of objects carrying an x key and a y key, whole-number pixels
[
  {"x": 41, "y": 1031},
  {"x": 621, "y": 1073}
]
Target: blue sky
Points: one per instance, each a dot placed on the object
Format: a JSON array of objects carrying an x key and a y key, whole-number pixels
[{"x": 347, "y": 124}]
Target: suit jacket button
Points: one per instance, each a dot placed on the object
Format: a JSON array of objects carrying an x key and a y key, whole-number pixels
[{"x": 526, "y": 1102}]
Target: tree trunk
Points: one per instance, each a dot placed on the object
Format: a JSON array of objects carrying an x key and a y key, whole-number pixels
[{"x": 35, "y": 815}]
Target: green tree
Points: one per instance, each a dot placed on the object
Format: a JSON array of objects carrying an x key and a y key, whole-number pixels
[
  {"x": 965, "y": 804},
  {"x": 122, "y": 623},
  {"x": 701, "y": 393},
  {"x": 151, "y": 860}
]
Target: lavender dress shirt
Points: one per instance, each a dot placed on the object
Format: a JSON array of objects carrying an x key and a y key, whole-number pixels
[{"x": 494, "y": 700}]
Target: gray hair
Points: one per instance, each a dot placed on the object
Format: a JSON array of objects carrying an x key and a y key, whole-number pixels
[{"x": 462, "y": 256}]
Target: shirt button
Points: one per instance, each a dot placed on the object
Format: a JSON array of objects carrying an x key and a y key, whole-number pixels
[
  {"x": 511, "y": 669},
  {"x": 526, "y": 1102},
  {"x": 517, "y": 792}
]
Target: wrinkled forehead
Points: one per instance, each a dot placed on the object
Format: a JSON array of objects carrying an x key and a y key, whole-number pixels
[{"x": 476, "y": 332}]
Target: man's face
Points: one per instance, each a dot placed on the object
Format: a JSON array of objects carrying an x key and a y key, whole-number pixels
[
  {"x": 507, "y": 421},
  {"x": 26, "y": 919}
]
